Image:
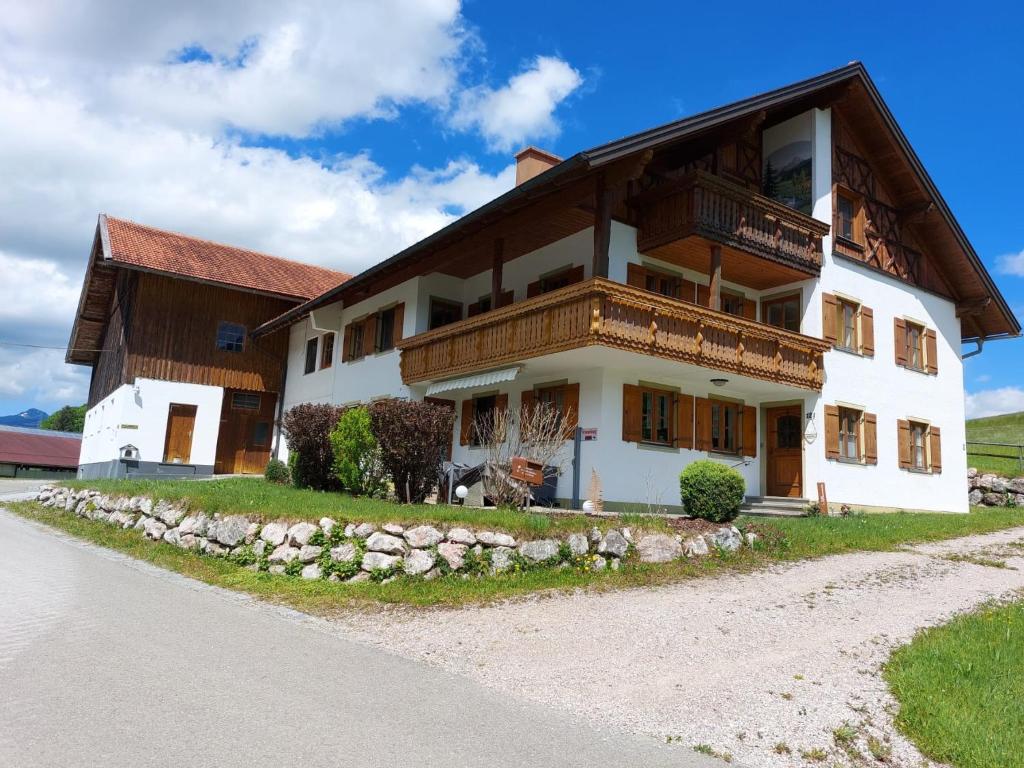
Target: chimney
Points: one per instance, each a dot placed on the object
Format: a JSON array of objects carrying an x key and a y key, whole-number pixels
[{"x": 532, "y": 162}]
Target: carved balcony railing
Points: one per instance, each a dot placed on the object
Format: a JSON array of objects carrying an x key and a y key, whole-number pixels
[
  {"x": 707, "y": 206},
  {"x": 602, "y": 312}
]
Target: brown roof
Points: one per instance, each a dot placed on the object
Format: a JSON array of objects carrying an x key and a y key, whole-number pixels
[
  {"x": 35, "y": 448},
  {"x": 148, "y": 248}
]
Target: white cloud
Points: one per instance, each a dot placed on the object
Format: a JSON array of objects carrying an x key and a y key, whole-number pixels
[
  {"x": 42, "y": 376},
  {"x": 1011, "y": 264},
  {"x": 993, "y": 402},
  {"x": 523, "y": 109}
]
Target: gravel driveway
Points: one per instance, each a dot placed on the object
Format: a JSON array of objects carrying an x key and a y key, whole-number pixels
[{"x": 751, "y": 665}]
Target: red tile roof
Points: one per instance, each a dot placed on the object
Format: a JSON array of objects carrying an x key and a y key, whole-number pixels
[
  {"x": 149, "y": 248},
  {"x": 36, "y": 449}
]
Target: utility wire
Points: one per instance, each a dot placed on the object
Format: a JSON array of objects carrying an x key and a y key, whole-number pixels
[{"x": 43, "y": 346}]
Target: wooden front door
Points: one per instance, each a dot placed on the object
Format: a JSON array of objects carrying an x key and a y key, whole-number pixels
[
  {"x": 784, "y": 466},
  {"x": 246, "y": 431},
  {"x": 181, "y": 421}
]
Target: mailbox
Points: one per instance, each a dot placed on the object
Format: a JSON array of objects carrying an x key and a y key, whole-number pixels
[
  {"x": 527, "y": 471},
  {"x": 129, "y": 453}
]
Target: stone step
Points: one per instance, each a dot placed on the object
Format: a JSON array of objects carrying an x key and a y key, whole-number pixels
[{"x": 774, "y": 506}]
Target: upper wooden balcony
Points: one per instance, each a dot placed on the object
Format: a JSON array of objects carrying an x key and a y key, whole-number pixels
[
  {"x": 706, "y": 206},
  {"x": 599, "y": 311}
]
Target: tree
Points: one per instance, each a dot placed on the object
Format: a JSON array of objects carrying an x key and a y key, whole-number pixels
[
  {"x": 70, "y": 418},
  {"x": 414, "y": 438},
  {"x": 307, "y": 428}
]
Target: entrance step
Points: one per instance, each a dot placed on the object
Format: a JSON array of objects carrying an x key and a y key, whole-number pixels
[{"x": 773, "y": 506}]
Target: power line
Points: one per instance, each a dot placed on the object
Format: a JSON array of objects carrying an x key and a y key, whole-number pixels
[{"x": 43, "y": 346}]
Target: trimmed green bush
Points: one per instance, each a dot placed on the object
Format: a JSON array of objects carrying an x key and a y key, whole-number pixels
[
  {"x": 711, "y": 491},
  {"x": 357, "y": 456},
  {"x": 307, "y": 427},
  {"x": 277, "y": 472}
]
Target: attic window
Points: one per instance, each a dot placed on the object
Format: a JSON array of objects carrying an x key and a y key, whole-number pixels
[{"x": 230, "y": 337}]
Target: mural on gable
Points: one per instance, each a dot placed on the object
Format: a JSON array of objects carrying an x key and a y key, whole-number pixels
[{"x": 787, "y": 168}]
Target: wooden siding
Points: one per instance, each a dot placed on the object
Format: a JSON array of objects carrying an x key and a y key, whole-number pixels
[
  {"x": 603, "y": 312},
  {"x": 109, "y": 371}
]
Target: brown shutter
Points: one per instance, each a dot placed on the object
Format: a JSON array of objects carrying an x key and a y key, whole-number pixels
[
  {"x": 466, "y": 428},
  {"x": 346, "y": 344},
  {"x": 533, "y": 289},
  {"x": 903, "y": 442},
  {"x": 900, "y": 338},
  {"x": 867, "y": 332},
  {"x": 636, "y": 276},
  {"x": 572, "y": 409},
  {"x": 750, "y": 309},
  {"x": 528, "y": 401},
  {"x": 684, "y": 421},
  {"x": 831, "y": 432},
  {"x": 702, "y": 423},
  {"x": 931, "y": 352},
  {"x": 688, "y": 290},
  {"x": 631, "y": 408},
  {"x": 829, "y": 310},
  {"x": 370, "y": 335},
  {"x": 575, "y": 274},
  {"x": 703, "y": 295},
  {"x": 506, "y": 299},
  {"x": 474, "y": 309},
  {"x": 870, "y": 438},
  {"x": 748, "y": 437},
  {"x": 399, "y": 321},
  {"x": 934, "y": 436}
]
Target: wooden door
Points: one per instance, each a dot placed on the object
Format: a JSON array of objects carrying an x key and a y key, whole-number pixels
[
  {"x": 784, "y": 465},
  {"x": 246, "y": 431},
  {"x": 181, "y": 421}
]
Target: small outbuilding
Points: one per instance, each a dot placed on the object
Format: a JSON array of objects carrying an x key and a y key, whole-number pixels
[{"x": 40, "y": 453}]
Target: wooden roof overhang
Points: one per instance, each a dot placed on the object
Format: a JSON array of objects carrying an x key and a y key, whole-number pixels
[{"x": 563, "y": 200}]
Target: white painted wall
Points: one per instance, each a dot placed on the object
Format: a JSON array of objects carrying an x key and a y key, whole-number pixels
[{"x": 137, "y": 415}]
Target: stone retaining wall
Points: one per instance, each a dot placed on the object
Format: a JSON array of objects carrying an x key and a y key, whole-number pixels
[
  {"x": 994, "y": 491},
  {"x": 356, "y": 552}
]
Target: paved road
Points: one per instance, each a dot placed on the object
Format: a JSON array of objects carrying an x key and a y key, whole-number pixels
[{"x": 105, "y": 661}]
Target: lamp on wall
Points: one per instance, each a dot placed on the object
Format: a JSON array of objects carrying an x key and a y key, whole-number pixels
[{"x": 719, "y": 382}]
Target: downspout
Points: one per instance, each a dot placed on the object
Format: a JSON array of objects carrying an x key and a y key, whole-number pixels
[
  {"x": 981, "y": 344},
  {"x": 280, "y": 410}
]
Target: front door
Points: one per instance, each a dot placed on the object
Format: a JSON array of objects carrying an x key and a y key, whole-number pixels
[
  {"x": 246, "y": 430},
  {"x": 784, "y": 467},
  {"x": 181, "y": 421}
]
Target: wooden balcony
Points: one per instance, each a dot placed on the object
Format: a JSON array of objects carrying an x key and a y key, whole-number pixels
[
  {"x": 602, "y": 312},
  {"x": 704, "y": 205}
]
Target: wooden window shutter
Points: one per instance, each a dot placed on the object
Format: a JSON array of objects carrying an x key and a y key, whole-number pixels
[
  {"x": 533, "y": 289},
  {"x": 474, "y": 309},
  {"x": 750, "y": 309},
  {"x": 466, "y": 428},
  {"x": 900, "y": 337},
  {"x": 636, "y": 276},
  {"x": 870, "y": 438},
  {"x": 684, "y": 421},
  {"x": 748, "y": 437},
  {"x": 867, "y": 332},
  {"x": 399, "y": 321},
  {"x": 931, "y": 352},
  {"x": 702, "y": 423},
  {"x": 903, "y": 438},
  {"x": 572, "y": 409},
  {"x": 829, "y": 308},
  {"x": 576, "y": 274},
  {"x": 688, "y": 290},
  {"x": 703, "y": 295},
  {"x": 346, "y": 344},
  {"x": 631, "y": 408},
  {"x": 935, "y": 445},
  {"x": 506, "y": 299},
  {"x": 370, "y": 335},
  {"x": 831, "y": 432},
  {"x": 501, "y": 402},
  {"x": 528, "y": 401}
]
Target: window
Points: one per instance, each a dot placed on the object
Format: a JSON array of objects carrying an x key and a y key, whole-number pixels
[
  {"x": 847, "y": 325},
  {"x": 386, "y": 330},
  {"x": 915, "y": 346},
  {"x": 245, "y": 401},
  {"x": 849, "y": 434},
  {"x": 783, "y": 312},
  {"x": 724, "y": 427},
  {"x": 261, "y": 434},
  {"x": 656, "y": 416},
  {"x": 327, "y": 351},
  {"x": 663, "y": 283},
  {"x": 848, "y": 216},
  {"x": 556, "y": 281},
  {"x": 918, "y": 445},
  {"x": 230, "y": 337},
  {"x": 443, "y": 312},
  {"x": 310, "y": 355},
  {"x": 483, "y": 416},
  {"x": 355, "y": 342},
  {"x": 732, "y": 303}
]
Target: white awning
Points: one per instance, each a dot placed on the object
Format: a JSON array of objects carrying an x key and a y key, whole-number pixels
[{"x": 472, "y": 382}]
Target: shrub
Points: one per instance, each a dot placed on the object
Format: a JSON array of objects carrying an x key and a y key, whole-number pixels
[
  {"x": 307, "y": 427},
  {"x": 357, "y": 459},
  {"x": 711, "y": 491},
  {"x": 414, "y": 438},
  {"x": 277, "y": 472}
]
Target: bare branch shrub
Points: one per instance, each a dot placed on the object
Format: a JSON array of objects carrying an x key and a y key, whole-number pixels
[{"x": 538, "y": 433}]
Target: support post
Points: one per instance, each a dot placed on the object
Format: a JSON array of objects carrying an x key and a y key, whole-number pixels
[
  {"x": 715, "y": 288},
  {"x": 602, "y": 227},
  {"x": 577, "y": 438},
  {"x": 497, "y": 267}
]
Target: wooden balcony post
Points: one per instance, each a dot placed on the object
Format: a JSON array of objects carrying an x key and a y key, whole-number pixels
[
  {"x": 715, "y": 288},
  {"x": 497, "y": 267},
  {"x": 602, "y": 227}
]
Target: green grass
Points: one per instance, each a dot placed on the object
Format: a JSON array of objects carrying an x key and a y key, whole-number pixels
[
  {"x": 961, "y": 689},
  {"x": 1008, "y": 428}
]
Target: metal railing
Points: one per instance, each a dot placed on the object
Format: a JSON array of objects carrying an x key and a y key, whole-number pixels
[{"x": 1008, "y": 451}]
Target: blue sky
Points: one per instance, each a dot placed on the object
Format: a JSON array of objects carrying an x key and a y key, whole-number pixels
[{"x": 340, "y": 132}]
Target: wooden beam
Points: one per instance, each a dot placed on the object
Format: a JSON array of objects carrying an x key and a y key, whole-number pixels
[
  {"x": 915, "y": 214},
  {"x": 602, "y": 227},
  {"x": 715, "y": 288},
  {"x": 973, "y": 307},
  {"x": 497, "y": 268}
]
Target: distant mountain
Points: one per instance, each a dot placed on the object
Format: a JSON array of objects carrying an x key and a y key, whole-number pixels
[{"x": 30, "y": 418}]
